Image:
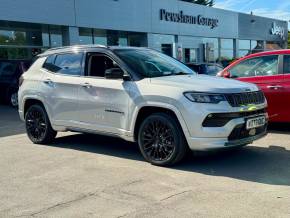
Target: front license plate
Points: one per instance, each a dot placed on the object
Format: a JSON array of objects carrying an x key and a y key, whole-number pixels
[{"x": 256, "y": 122}]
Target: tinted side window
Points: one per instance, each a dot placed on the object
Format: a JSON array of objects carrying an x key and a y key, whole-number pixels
[
  {"x": 261, "y": 66},
  {"x": 287, "y": 64},
  {"x": 7, "y": 68},
  {"x": 70, "y": 64},
  {"x": 97, "y": 64},
  {"x": 195, "y": 68},
  {"x": 212, "y": 70}
]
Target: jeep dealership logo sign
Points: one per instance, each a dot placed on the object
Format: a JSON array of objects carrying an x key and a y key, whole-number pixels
[
  {"x": 188, "y": 19},
  {"x": 278, "y": 31}
]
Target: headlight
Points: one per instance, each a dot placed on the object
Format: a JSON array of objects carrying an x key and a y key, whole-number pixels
[{"x": 204, "y": 97}]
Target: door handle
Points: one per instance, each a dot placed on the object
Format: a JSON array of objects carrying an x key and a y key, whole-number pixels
[
  {"x": 48, "y": 82},
  {"x": 87, "y": 85},
  {"x": 275, "y": 87}
]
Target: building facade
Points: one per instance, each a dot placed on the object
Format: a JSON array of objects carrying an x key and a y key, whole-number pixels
[{"x": 183, "y": 30}]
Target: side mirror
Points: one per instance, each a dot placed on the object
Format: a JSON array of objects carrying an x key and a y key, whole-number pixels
[
  {"x": 114, "y": 73},
  {"x": 223, "y": 74},
  {"x": 226, "y": 74}
]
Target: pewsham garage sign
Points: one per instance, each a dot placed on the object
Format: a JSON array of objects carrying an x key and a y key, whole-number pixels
[{"x": 188, "y": 19}]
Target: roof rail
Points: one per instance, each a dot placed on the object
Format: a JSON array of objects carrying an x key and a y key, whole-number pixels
[{"x": 77, "y": 46}]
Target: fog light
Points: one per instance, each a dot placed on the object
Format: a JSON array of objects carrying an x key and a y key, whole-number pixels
[{"x": 252, "y": 132}]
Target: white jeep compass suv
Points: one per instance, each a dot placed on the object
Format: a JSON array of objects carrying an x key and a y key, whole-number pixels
[{"x": 140, "y": 95}]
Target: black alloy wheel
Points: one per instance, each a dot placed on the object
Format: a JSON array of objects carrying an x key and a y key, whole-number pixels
[
  {"x": 161, "y": 140},
  {"x": 38, "y": 127}
]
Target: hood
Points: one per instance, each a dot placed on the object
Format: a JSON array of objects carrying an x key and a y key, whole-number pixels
[{"x": 203, "y": 83}]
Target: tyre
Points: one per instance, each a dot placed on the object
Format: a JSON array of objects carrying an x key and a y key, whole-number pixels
[
  {"x": 161, "y": 140},
  {"x": 38, "y": 126},
  {"x": 13, "y": 99}
]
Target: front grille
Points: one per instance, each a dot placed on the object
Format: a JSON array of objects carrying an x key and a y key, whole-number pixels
[
  {"x": 221, "y": 119},
  {"x": 242, "y": 99}
]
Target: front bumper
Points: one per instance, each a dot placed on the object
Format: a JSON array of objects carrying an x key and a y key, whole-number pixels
[
  {"x": 220, "y": 134},
  {"x": 21, "y": 115},
  {"x": 206, "y": 144}
]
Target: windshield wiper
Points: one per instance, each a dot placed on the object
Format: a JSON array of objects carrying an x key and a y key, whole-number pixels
[
  {"x": 173, "y": 74},
  {"x": 180, "y": 73}
]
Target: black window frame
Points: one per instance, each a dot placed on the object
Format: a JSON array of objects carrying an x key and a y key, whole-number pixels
[
  {"x": 283, "y": 64},
  {"x": 47, "y": 66}
]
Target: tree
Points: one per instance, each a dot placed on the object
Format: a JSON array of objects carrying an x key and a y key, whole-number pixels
[{"x": 201, "y": 2}]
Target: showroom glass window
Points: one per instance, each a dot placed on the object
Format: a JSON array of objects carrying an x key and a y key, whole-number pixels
[
  {"x": 137, "y": 39},
  {"x": 11, "y": 37},
  {"x": 100, "y": 37},
  {"x": 55, "y": 36},
  {"x": 260, "y": 66},
  {"x": 117, "y": 38},
  {"x": 247, "y": 47},
  {"x": 21, "y": 35},
  {"x": 257, "y": 46},
  {"x": 163, "y": 43},
  {"x": 227, "y": 51},
  {"x": 123, "y": 38},
  {"x": 92, "y": 36},
  {"x": 111, "y": 37},
  {"x": 211, "y": 47},
  {"x": 19, "y": 40},
  {"x": 244, "y": 48},
  {"x": 45, "y": 36},
  {"x": 85, "y": 36}
]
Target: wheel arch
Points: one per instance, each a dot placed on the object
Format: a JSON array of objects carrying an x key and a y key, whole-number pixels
[
  {"x": 28, "y": 101},
  {"x": 147, "y": 110}
]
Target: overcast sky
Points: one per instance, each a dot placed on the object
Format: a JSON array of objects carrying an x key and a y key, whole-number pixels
[{"x": 268, "y": 8}]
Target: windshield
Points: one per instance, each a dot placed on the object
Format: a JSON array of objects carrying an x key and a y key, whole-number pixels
[
  {"x": 150, "y": 63},
  {"x": 212, "y": 70}
]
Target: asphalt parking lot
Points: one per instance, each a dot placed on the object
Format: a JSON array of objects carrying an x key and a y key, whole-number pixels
[{"x": 83, "y": 175}]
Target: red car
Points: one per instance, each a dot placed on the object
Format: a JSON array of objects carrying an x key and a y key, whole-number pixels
[{"x": 271, "y": 72}]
